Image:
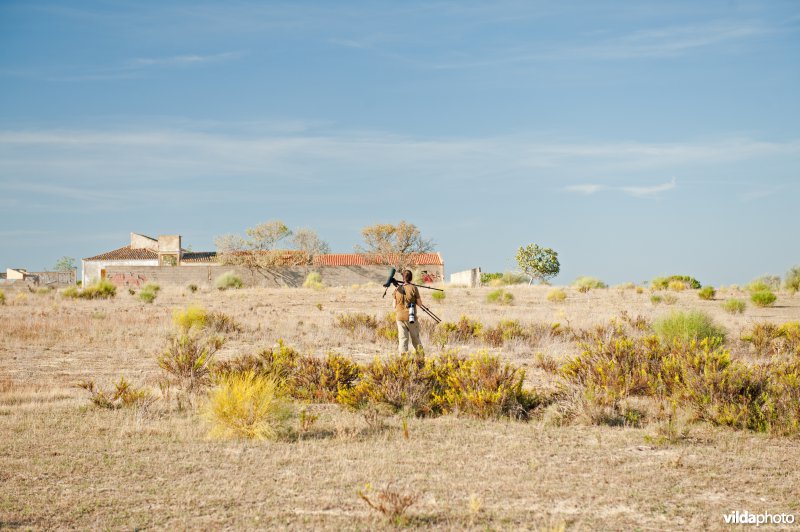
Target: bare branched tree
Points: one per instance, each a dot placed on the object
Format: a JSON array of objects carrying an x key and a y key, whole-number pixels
[
  {"x": 309, "y": 242},
  {"x": 393, "y": 244}
]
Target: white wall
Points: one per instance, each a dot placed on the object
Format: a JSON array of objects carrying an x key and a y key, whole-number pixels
[{"x": 91, "y": 268}]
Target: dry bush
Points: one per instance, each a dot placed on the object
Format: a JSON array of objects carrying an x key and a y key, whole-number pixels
[
  {"x": 770, "y": 339},
  {"x": 556, "y": 295},
  {"x": 463, "y": 331},
  {"x": 187, "y": 359},
  {"x": 734, "y": 306},
  {"x": 102, "y": 289},
  {"x": 389, "y": 502},
  {"x": 320, "y": 380},
  {"x": 124, "y": 395},
  {"x": 504, "y": 331},
  {"x": 248, "y": 405},
  {"x": 480, "y": 386},
  {"x": 222, "y": 323}
]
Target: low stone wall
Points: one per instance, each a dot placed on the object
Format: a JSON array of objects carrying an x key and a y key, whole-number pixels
[{"x": 274, "y": 277}]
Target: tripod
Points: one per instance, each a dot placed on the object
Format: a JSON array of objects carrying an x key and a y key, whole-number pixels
[{"x": 429, "y": 312}]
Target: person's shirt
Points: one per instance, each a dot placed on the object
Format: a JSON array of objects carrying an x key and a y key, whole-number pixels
[{"x": 401, "y": 301}]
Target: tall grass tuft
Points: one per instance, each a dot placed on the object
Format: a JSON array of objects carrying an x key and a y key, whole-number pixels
[
  {"x": 500, "y": 297},
  {"x": 102, "y": 289},
  {"x": 193, "y": 316},
  {"x": 2, "y": 298},
  {"x": 687, "y": 326},
  {"x": 314, "y": 281},
  {"x": 228, "y": 280},
  {"x": 149, "y": 292},
  {"x": 556, "y": 295},
  {"x": 707, "y": 293},
  {"x": 734, "y": 306},
  {"x": 249, "y": 406}
]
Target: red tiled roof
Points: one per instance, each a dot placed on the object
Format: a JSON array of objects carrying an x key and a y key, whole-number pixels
[
  {"x": 361, "y": 259},
  {"x": 126, "y": 253}
]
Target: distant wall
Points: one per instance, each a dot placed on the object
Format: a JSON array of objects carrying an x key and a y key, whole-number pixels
[
  {"x": 470, "y": 278},
  {"x": 92, "y": 269},
  {"x": 138, "y": 275}
]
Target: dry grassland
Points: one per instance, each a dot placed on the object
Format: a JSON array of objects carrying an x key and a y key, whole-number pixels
[{"x": 67, "y": 464}]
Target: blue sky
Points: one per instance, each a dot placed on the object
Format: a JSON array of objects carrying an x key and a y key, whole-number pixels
[{"x": 635, "y": 138}]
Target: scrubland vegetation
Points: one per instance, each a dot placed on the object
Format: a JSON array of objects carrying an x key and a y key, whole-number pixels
[{"x": 263, "y": 408}]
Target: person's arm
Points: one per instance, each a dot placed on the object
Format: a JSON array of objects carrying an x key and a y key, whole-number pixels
[{"x": 419, "y": 297}]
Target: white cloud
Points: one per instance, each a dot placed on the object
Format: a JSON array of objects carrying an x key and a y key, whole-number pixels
[
  {"x": 184, "y": 60},
  {"x": 640, "y": 192},
  {"x": 584, "y": 189}
]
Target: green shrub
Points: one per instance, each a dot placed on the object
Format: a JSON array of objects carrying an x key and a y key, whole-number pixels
[
  {"x": 757, "y": 286},
  {"x": 707, "y": 293},
  {"x": 228, "y": 280},
  {"x": 122, "y": 396},
  {"x": 556, "y": 295},
  {"x": 771, "y": 282},
  {"x": 734, "y": 306},
  {"x": 585, "y": 283},
  {"x": 792, "y": 280},
  {"x": 2, "y": 298},
  {"x": 313, "y": 281},
  {"x": 149, "y": 292},
  {"x": 487, "y": 278},
  {"x": 775, "y": 340},
  {"x": 193, "y": 316},
  {"x": 677, "y": 286},
  {"x": 500, "y": 297},
  {"x": 102, "y": 289},
  {"x": 279, "y": 361},
  {"x": 438, "y": 296},
  {"x": 463, "y": 331},
  {"x": 655, "y": 299},
  {"x": 502, "y": 279},
  {"x": 763, "y": 298},
  {"x": 662, "y": 283},
  {"x": 504, "y": 331},
  {"x": 320, "y": 380},
  {"x": 248, "y": 405},
  {"x": 686, "y": 326}
]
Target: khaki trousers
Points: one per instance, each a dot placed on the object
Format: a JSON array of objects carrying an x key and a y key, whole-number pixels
[{"x": 406, "y": 331}]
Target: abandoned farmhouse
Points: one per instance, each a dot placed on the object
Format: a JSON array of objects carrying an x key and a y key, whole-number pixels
[{"x": 163, "y": 260}]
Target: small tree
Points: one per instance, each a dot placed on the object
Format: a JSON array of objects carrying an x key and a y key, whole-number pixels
[
  {"x": 265, "y": 236},
  {"x": 538, "y": 263},
  {"x": 385, "y": 242},
  {"x": 65, "y": 264},
  {"x": 309, "y": 242},
  {"x": 792, "y": 280}
]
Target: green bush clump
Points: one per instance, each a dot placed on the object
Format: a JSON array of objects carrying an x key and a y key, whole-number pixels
[
  {"x": 556, "y": 295},
  {"x": 707, "y": 293},
  {"x": 187, "y": 359},
  {"x": 70, "y": 292},
  {"x": 500, "y": 297},
  {"x": 734, "y": 306},
  {"x": 504, "y": 331},
  {"x": 228, "y": 280},
  {"x": 250, "y": 406},
  {"x": 463, "y": 331},
  {"x": 487, "y": 278},
  {"x": 663, "y": 283},
  {"x": 313, "y": 281},
  {"x": 355, "y": 321},
  {"x": 763, "y": 298},
  {"x": 502, "y": 279},
  {"x": 149, "y": 292},
  {"x": 791, "y": 280},
  {"x": 102, "y": 289},
  {"x": 686, "y": 326},
  {"x": 655, "y": 299},
  {"x": 770, "y": 282},
  {"x": 757, "y": 285},
  {"x": 2, "y": 298},
  {"x": 585, "y": 283},
  {"x": 438, "y": 296}
]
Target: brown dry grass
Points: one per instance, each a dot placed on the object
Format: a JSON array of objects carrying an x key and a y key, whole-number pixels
[{"x": 65, "y": 464}]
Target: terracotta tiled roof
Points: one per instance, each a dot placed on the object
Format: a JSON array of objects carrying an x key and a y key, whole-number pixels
[
  {"x": 126, "y": 253},
  {"x": 199, "y": 256},
  {"x": 360, "y": 259}
]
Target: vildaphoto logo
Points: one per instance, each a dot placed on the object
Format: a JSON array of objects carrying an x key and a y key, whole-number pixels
[{"x": 747, "y": 518}]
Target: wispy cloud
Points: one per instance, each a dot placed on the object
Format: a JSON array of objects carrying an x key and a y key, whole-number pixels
[
  {"x": 184, "y": 60},
  {"x": 641, "y": 192},
  {"x": 586, "y": 190}
]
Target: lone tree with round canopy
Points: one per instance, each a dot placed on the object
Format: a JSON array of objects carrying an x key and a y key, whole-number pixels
[{"x": 538, "y": 263}]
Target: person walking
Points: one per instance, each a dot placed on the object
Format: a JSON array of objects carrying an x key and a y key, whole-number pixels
[{"x": 406, "y": 298}]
